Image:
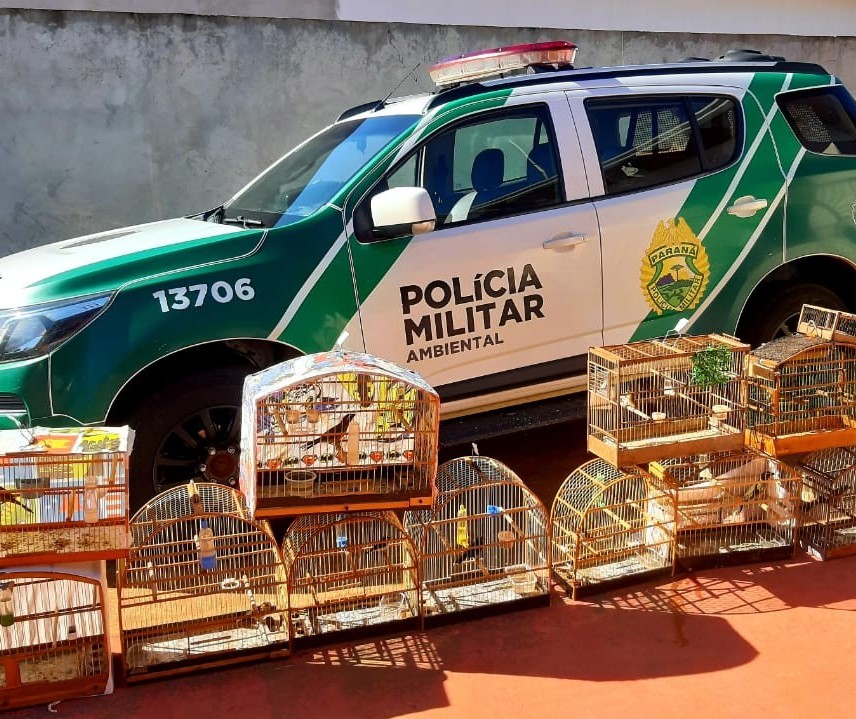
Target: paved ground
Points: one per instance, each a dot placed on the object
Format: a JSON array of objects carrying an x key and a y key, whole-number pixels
[{"x": 759, "y": 640}]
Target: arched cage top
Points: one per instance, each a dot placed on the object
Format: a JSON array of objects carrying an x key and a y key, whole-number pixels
[
  {"x": 204, "y": 584},
  {"x": 486, "y": 543},
  {"x": 334, "y": 431},
  {"x": 609, "y": 524},
  {"x": 194, "y": 498},
  {"x": 463, "y": 472},
  {"x": 54, "y": 634},
  {"x": 595, "y": 486},
  {"x": 358, "y": 570}
]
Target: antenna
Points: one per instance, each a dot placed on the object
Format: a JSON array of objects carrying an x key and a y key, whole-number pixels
[{"x": 401, "y": 82}]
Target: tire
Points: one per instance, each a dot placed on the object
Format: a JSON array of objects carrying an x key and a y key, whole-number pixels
[
  {"x": 188, "y": 429},
  {"x": 778, "y": 313}
]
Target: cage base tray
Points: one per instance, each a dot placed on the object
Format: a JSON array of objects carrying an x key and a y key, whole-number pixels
[
  {"x": 729, "y": 545},
  {"x": 283, "y": 505},
  {"x": 620, "y": 572},
  {"x": 169, "y": 653},
  {"x": 829, "y": 540},
  {"x": 784, "y": 445},
  {"x": 88, "y": 542},
  {"x": 624, "y": 454}
]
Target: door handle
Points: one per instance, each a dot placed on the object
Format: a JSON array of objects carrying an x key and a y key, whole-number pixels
[
  {"x": 560, "y": 241},
  {"x": 746, "y": 206}
]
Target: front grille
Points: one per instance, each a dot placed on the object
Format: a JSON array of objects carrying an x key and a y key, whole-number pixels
[{"x": 11, "y": 403}]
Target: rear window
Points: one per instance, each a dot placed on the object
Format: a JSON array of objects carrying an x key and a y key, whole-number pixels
[{"x": 822, "y": 118}]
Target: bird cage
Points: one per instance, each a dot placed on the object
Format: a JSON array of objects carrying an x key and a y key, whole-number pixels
[
  {"x": 665, "y": 397},
  {"x": 349, "y": 574},
  {"x": 63, "y": 494},
  {"x": 484, "y": 548},
  {"x": 827, "y": 324},
  {"x": 458, "y": 473},
  {"x": 731, "y": 507},
  {"x": 53, "y": 638},
  {"x": 337, "y": 431},
  {"x": 828, "y": 506},
  {"x": 185, "y": 500},
  {"x": 610, "y": 527},
  {"x": 463, "y": 472},
  {"x": 202, "y": 590},
  {"x": 801, "y": 396}
]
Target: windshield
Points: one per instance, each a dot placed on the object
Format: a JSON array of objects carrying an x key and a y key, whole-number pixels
[{"x": 310, "y": 176}]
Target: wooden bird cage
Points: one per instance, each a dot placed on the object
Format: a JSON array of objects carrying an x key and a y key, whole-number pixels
[
  {"x": 348, "y": 575},
  {"x": 484, "y": 548},
  {"x": 827, "y": 324},
  {"x": 828, "y": 506},
  {"x": 337, "y": 431},
  {"x": 610, "y": 527},
  {"x": 186, "y": 500},
  {"x": 665, "y": 397},
  {"x": 801, "y": 396},
  {"x": 189, "y": 599},
  {"x": 53, "y": 638},
  {"x": 63, "y": 494},
  {"x": 732, "y": 507}
]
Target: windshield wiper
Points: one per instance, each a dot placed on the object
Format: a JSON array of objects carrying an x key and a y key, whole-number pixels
[{"x": 243, "y": 221}]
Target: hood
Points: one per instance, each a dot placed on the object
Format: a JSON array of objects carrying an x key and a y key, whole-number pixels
[{"x": 106, "y": 260}]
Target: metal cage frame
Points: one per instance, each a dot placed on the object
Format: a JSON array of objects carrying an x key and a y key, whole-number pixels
[
  {"x": 350, "y": 575},
  {"x": 801, "y": 396},
  {"x": 611, "y": 527},
  {"x": 186, "y": 602},
  {"x": 338, "y": 431},
  {"x": 57, "y": 646},
  {"x": 665, "y": 397},
  {"x": 828, "y": 503},
  {"x": 732, "y": 507},
  {"x": 484, "y": 548}
]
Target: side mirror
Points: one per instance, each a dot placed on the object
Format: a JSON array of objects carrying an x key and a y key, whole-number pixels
[{"x": 402, "y": 211}]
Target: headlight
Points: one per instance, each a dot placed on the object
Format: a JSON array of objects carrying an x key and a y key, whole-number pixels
[{"x": 33, "y": 331}]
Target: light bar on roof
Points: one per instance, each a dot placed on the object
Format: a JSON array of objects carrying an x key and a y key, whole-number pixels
[{"x": 501, "y": 60}]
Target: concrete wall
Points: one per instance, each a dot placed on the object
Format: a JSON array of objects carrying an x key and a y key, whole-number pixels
[{"x": 110, "y": 119}]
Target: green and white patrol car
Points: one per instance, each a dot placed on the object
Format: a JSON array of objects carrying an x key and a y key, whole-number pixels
[{"x": 485, "y": 235}]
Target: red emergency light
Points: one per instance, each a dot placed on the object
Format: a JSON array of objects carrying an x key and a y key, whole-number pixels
[{"x": 501, "y": 60}]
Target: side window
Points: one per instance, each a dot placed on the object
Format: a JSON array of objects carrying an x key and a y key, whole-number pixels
[
  {"x": 499, "y": 164},
  {"x": 716, "y": 118},
  {"x": 654, "y": 141},
  {"x": 823, "y": 119}
]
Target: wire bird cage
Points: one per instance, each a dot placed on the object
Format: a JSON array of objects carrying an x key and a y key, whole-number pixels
[
  {"x": 828, "y": 506},
  {"x": 349, "y": 574},
  {"x": 53, "y": 638},
  {"x": 665, "y": 397},
  {"x": 464, "y": 472},
  {"x": 202, "y": 590},
  {"x": 801, "y": 396},
  {"x": 337, "y": 431},
  {"x": 610, "y": 527},
  {"x": 187, "y": 500},
  {"x": 484, "y": 547},
  {"x": 827, "y": 324},
  {"x": 63, "y": 494},
  {"x": 731, "y": 507}
]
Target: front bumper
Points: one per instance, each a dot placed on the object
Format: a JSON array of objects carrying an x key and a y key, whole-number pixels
[{"x": 25, "y": 393}]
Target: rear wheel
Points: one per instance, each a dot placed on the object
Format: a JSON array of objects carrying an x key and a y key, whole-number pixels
[
  {"x": 778, "y": 313},
  {"x": 188, "y": 429}
]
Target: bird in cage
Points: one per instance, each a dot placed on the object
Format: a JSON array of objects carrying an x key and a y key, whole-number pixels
[
  {"x": 475, "y": 550},
  {"x": 335, "y": 435},
  {"x": 6, "y": 497}
]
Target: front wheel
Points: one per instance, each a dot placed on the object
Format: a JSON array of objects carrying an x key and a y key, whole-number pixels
[
  {"x": 778, "y": 313},
  {"x": 188, "y": 429}
]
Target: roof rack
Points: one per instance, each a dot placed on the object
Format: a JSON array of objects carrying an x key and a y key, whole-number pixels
[{"x": 731, "y": 62}]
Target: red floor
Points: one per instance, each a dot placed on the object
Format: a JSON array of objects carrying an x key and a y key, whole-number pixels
[
  {"x": 759, "y": 640},
  {"x": 773, "y": 641}
]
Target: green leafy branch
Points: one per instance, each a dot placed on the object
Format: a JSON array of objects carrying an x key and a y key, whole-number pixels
[{"x": 711, "y": 366}]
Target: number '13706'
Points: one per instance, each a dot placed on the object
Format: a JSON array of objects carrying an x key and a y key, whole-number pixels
[{"x": 181, "y": 298}]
